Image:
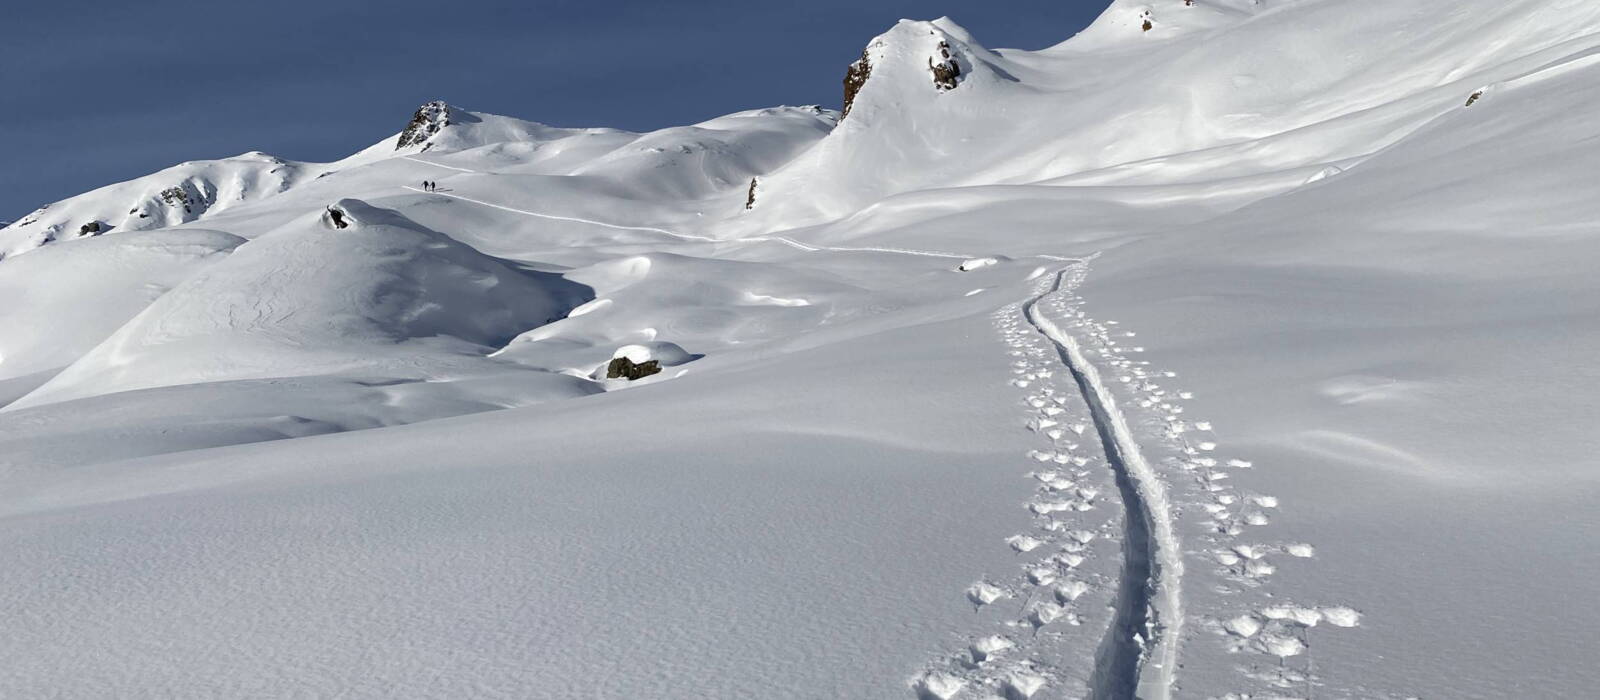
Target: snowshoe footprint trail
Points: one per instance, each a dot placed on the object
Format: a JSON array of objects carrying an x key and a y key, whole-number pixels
[
  {"x": 1195, "y": 481},
  {"x": 1053, "y": 607},
  {"x": 1075, "y": 621},
  {"x": 1074, "y": 615},
  {"x": 1093, "y": 454},
  {"x": 1139, "y": 655}
]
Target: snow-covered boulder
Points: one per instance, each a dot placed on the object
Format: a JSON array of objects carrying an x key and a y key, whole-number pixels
[{"x": 641, "y": 360}]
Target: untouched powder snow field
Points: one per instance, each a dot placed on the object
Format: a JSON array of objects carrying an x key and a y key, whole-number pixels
[{"x": 1231, "y": 349}]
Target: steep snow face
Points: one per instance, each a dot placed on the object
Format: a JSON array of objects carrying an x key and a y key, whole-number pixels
[
  {"x": 1213, "y": 89},
  {"x": 897, "y": 121},
  {"x": 382, "y": 296}
]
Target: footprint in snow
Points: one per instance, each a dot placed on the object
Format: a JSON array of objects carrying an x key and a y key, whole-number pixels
[
  {"x": 984, "y": 593},
  {"x": 1023, "y": 544},
  {"x": 937, "y": 685},
  {"x": 988, "y": 647},
  {"x": 1070, "y": 591}
]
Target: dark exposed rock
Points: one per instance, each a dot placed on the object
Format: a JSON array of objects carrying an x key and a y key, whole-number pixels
[
  {"x": 947, "y": 72},
  {"x": 174, "y": 196},
  {"x": 750, "y": 199},
  {"x": 429, "y": 120},
  {"x": 622, "y": 367},
  {"x": 854, "y": 77},
  {"x": 178, "y": 196},
  {"x": 336, "y": 217},
  {"x": 1474, "y": 98},
  {"x": 92, "y": 228}
]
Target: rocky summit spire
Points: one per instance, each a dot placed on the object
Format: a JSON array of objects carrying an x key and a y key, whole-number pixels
[{"x": 430, "y": 119}]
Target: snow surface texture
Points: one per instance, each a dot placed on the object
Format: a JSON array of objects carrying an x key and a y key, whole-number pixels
[{"x": 1230, "y": 349}]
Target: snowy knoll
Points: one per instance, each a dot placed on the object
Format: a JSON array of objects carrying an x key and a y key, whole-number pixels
[{"x": 381, "y": 296}]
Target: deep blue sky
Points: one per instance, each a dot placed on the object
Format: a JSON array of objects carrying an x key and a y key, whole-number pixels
[{"x": 98, "y": 92}]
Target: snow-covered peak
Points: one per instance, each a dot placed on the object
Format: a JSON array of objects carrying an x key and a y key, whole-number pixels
[
  {"x": 430, "y": 119},
  {"x": 438, "y": 126},
  {"x": 177, "y": 195},
  {"x": 939, "y": 54}
]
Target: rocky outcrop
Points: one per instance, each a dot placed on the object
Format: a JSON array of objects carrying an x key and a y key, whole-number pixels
[
  {"x": 335, "y": 217},
  {"x": 947, "y": 72},
  {"x": 176, "y": 196},
  {"x": 750, "y": 198},
  {"x": 854, "y": 78},
  {"x": 93, "y": 228},
  {"x": 624, "y": 368},
  {"x": 430, "y": 119}
]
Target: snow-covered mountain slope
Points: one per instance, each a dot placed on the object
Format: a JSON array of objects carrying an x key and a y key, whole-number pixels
[
  {"x": 178, "y": 195},
  {"x": 62, "y": 302},
  {"x": 1239, "y": 355},
  {"x": 1213, "y": 90},
  {"x": 677, "y": 163}
]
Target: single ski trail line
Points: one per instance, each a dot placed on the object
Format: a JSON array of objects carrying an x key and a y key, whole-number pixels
[
  {"x": 438, "y": 165},
  {"x": 1139, "y": 657},
  {"x": 689, "y": 237}
]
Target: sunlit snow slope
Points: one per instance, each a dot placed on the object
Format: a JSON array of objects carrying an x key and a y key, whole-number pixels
[{"x": 1228, "y": 349}]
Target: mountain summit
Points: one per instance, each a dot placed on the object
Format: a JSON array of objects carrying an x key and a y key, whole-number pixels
[{"x": 430, "y": 119}]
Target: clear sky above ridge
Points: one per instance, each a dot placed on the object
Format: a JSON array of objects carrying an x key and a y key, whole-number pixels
[{"x": 99, "y": 92}]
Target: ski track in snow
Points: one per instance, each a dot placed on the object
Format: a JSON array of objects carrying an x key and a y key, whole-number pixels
[
  {"x": 785, "y": 240},
  {"x": 1128, "y": 618},
  {"x": 1140, "y": 614},
  {"x": 415, "y": 159}
]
